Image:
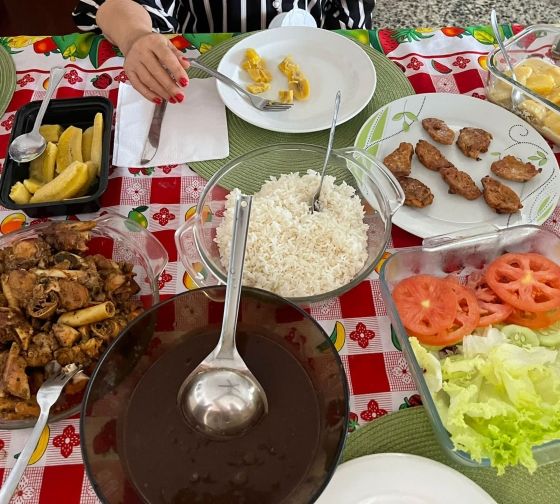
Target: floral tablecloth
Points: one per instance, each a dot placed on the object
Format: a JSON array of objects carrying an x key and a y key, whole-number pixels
[{"x": 447, "y": 60}]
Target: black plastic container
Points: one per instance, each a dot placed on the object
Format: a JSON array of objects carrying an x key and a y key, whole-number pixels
[{"x": 78, "y": 112}]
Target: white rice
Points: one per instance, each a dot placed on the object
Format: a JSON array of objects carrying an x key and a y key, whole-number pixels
[{"x": 294, "y": 253}]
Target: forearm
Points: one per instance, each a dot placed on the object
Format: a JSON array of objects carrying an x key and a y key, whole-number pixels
[{"x": 110, "y": 18}]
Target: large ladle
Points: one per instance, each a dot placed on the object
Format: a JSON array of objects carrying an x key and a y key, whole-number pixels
[{"x": 222, "y": 398}]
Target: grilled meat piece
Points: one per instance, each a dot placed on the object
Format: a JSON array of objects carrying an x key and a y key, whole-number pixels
[
  {"x": 512, "y": 168},
  {"x": 438, "y": 130},
  {"x": 400, "y": 160},
  {"x": 14, "y": 376},
  {"x": 14, "y": 327},
  {"x": 73, "y": 295},
  {"x": 417, "y": 194},
  {"x": 460, "y": 183},
  {"x": 500, "y": 197},
  {"x": 473, "y": 141},
  {"x": 430, "y": 156}
]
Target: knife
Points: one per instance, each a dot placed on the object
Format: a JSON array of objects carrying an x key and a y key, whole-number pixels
[{"x": 152, "y": 142}]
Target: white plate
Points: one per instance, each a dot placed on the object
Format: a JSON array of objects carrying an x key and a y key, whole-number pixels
[
  {"x": 398, "y": 478},
  {"x": 330, "y": 61},
  {"x": 450, "y": 213}
]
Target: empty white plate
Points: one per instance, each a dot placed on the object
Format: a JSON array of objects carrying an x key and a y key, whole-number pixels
[{"x": 399, "y": 478}]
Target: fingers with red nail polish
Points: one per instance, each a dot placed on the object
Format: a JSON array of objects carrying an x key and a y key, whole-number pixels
[
  {"x": 172, "y": 100},
  {"x": 179, "y": 97},
  {"x": 183, "y": 81},
  {"x": 157, "y": 101}
]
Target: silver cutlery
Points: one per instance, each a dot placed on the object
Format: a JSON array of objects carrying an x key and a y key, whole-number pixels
[
  {"x": 516, "y": 95},
  {"x": 315, "y": 203},
  {"x": 256, "y": 101},
  {"x": 152, "y": 141},
  {"x": 221, "y": 397},
  {"x": 47, "y": 395},
  {"x": 30, "y": 146}
]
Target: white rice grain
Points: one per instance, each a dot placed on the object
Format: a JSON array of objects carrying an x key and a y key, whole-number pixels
[{"x": 292, "y": 252}]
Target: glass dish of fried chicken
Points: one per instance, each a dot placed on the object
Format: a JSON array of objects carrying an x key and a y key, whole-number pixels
[{"x": 67, "y": 290}]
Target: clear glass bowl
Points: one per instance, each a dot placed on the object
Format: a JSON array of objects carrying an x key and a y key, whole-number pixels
[
  {"x": 537, "y": 41},
  {"x": 125, "y": 465},
  {"x": 380, "y": 193},
  {"x": 118, "y": 238},
  {"x": 441, "y": 256}
]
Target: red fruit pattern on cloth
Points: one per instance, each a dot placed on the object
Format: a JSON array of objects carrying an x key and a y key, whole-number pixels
[
  {"x": 102, "y": 81},
  {"x": 353, "y": 422},
  {"x": 373, "y": 411},
  {"x": 362, "y": 335},
  {"x": 8, "y": 123},
  {"x": 67, "y": 440},
  {"x": 167, "y": 168}
]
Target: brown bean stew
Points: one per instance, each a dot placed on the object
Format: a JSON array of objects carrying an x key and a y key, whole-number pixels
[{"x": 57, "y": 304}]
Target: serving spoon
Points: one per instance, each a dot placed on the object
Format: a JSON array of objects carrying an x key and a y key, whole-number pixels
[
  {"x": 30, "y": 146},
  {"x": 516, "y": 95},
  {"x": 221, "y": 398},
  {"x": 315, "y": 203}
]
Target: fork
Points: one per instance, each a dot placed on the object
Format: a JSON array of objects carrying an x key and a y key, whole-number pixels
[
  {"x": 46, "y": 397},
  {"x": 256, "y": 101}
]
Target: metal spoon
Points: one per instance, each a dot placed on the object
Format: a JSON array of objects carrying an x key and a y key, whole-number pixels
[
  {"x": 221, "y": 397},
  {"x": 31, "y": 145},
  {"x": 516, "y": 95},
  {"x": 315, "y": 203}
]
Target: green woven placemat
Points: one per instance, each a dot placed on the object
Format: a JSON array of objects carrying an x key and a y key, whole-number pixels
[
  {"x": 244, "y": 137},
  {"x": 409, "y": 431},
  {"x": 7, "y": 79}
]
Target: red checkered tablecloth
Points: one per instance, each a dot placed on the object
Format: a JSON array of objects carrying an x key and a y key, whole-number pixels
[{"x": 447, "y": 60}]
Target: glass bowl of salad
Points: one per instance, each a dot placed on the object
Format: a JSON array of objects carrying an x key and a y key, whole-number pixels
[{"x": 478, "y": 319}]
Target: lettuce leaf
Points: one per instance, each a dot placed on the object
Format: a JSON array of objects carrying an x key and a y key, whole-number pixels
[{"x": 503, "y": 399}]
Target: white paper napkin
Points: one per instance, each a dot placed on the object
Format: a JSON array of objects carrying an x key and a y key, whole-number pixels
[{"x": 195, "y": 130}]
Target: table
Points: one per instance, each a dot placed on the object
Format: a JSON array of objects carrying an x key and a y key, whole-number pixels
[{"x": 447, "y": 60}]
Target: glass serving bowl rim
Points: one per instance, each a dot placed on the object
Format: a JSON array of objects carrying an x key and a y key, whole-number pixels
[
  {"x": 212, "y": 183},
  {"x": 10, "y": 238},
  {"x": 493, "y": 69},
  {"x": 339, "y": 364}
]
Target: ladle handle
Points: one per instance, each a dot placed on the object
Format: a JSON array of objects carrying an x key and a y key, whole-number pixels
[
  {"x": 226, "y": 346},
  {"x": 54, "y": 80}
]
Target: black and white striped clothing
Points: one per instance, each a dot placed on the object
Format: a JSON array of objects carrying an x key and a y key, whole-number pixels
[{"x": 210, "y": 16}]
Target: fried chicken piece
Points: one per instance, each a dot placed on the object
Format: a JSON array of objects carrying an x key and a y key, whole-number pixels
[
  {"x": 66, "y": 335},
  {"x": 26, "y": 254},
  {"x": 473, "y": 141},
  {"x": 14, "y": 327},
  {"x": 430, "y": 156},
  {"x": 26, "y": 409},
  {"x": 14, "y": 376},
  {"x": 40, "y": 352},
  {"x": 460, "y": 183},
  {"x": 20, "y": 284},
  {"x": 71, "y": 236},
  {"x": 75, "y": 354},
  {"x": 500, "y": 197},
  {"x": 512, "y": 168},
  {"x": 438, "y": 130},
  {"x": 417, "y": 194},
  {"x": 400, "y": 160},
  {"x": 73, "y": 295}
]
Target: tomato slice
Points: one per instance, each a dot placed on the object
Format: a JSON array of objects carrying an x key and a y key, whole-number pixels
[
  {"x": 466, "y": 320},
  {"x": 529, "y": 282},
  {"x": 492, "y": 309},
  {"x": 426, "y": 304},
  {"x": 534, "y": 320}
]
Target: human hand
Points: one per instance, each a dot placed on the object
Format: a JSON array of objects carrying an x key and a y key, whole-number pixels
[{"x": 156, "y": 68}]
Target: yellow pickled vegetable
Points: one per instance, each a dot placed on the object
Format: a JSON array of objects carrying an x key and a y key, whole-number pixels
[{"x": 541, "y": 84}]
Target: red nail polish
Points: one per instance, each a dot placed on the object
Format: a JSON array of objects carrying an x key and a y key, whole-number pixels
[
  {"x": 157, "y": 101},
  {"x": 183, "y": 81},
  {"x": 172, "y": 100},
  {"x": 180, "y": 97}
]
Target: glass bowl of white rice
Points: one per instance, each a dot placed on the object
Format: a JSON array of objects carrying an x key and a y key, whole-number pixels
[{"x": 292, "y": 252}]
